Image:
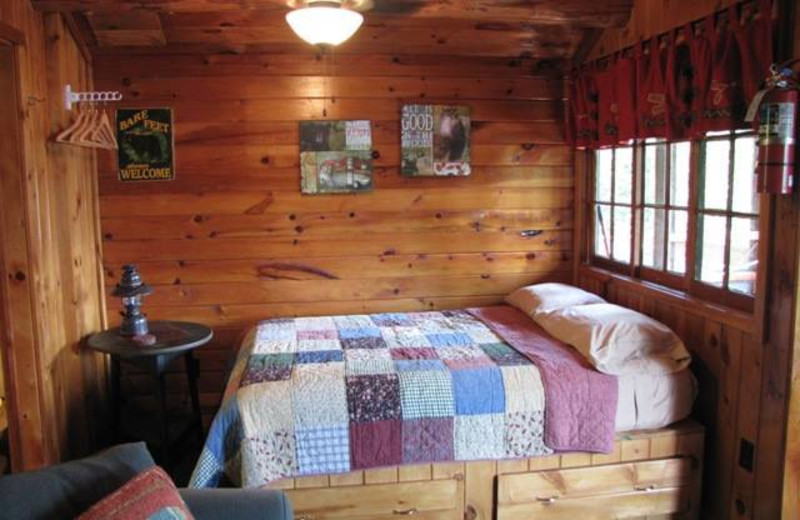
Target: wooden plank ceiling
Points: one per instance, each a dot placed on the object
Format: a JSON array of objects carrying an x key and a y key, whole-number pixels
[{"x": 548, "y": 29}]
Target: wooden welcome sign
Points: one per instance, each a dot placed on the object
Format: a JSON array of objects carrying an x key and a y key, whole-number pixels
[{"x": 146, "y": 147}]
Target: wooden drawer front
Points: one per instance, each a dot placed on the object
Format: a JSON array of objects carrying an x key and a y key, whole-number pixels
[
  {"x": 602, "y": 507},
  {"x": 615, "y": 491},
  {"x": 431, "y": 500}
]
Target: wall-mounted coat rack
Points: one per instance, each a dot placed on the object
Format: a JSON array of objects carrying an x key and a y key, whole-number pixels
[
  {"x": 92, "y": 127},
  {"x": 71, "y": 98}
]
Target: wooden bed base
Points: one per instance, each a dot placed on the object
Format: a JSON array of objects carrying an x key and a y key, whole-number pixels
[{"x": 650, "y": 474}]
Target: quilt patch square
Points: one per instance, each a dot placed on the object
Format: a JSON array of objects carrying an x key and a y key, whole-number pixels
[
  {"x": 428, "y": 440},
  {"x": 523, "y": 388},
  {"x": 363, "y": 362},
  {"x": 267, "y": 367},
  {"x": 482, "y": 337},
  {"x": 309, "y": 384},
  {"x": 317, "y": 334},
  {"x": 282, "y": 330},
  {"x": 323, "y": 450},
  {"x": 268, "y": 457},
  {"x": 354, "y": 321},
  {"x": 426, "y": 394},
  {"x": 315, "y": 323},
  {"x": 376, "y": 444},
  {"x": 266, "y": 415},
  {"x": 504, "y": 355},
  {"x": 310, "y": 345},
  {"x": 449, "y": 339},
  {"x": 435, "y": 322},
  {"x": 421, "y": 365},
  {"x": 373, "y": 398},
  {"x": 478, "y": 391},
  {"x": 362, "y": 332},
  {"x": 404, "y": 337},
  {"x": 479, "y": 437},
  {"x": 414, "y": 353},
  {"x": 458, "y": 358},
  {"x": 320, "y": 356},
  {"x": 364, "y": 343},
  {"x": 524, "y": 435},
  {"x": 391, "y": 319}
]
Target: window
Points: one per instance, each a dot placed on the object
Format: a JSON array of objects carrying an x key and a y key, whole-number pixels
[
  {"x": 727, "y": 221},
  {"x": 665, "y": 205},
  {"x": 613, "y": 203},
  {"x": 682, "y": 214}
]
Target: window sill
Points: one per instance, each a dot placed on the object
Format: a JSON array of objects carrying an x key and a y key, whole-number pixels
[{"x": 735, "y": 318}]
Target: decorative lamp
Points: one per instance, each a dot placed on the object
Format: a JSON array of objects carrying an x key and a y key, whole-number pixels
[
  {"x": 326, "y": 22},
  {"x": 131, "y": 289}
]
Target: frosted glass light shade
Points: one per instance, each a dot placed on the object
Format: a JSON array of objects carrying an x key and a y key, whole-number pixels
[{"x": 324, "y": 25}]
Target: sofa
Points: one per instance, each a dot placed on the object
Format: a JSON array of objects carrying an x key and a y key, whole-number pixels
[{"x": 66, "y": 490}]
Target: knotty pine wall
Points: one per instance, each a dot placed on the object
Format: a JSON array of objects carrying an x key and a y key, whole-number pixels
[
  {"x": 49, "y": 257},
  {"x": 742, "y": 361},
  {"x": 232, "y": 241}
]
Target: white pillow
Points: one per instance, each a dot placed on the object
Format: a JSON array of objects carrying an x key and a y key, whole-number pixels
[
  {"x": 617, "y": 340},
  {"x": 546, "y": 297}
]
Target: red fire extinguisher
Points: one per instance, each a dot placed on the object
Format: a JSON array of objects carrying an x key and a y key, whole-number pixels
[{"x": 777, "y": 106}]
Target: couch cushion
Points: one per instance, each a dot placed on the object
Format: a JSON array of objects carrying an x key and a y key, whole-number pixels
[
  {"x": 149, "y": 496},
  {"x": 66, "y": 490}
]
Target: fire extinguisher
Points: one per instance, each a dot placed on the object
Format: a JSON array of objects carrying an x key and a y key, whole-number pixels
[{"x": 777, "y": 107}]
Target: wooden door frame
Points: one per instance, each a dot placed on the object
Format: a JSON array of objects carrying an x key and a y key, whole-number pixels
[{"x": 21, "y": 362}]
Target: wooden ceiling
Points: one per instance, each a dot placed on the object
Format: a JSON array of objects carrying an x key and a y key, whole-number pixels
[{"x": 549, "y": 29}]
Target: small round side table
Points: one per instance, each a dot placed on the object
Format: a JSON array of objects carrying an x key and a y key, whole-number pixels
[{"x": 172, "y": 340}]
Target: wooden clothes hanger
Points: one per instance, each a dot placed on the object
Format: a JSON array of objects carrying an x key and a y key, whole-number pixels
[{"x": 91, "y": 129}]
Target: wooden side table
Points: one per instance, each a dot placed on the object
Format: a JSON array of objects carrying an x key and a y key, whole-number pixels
[{"x": 172, "y": 340}]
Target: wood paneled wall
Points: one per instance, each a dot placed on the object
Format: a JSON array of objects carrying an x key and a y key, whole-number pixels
[
  {"x": 650, "y": 17},
  {"x": 743, "y": 362},
  {"x": 727, "y": 362},
  {"x": 51, "y": 272},
  {"x": 232, "y": 241}
]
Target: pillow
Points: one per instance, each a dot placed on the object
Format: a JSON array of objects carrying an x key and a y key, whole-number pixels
[
  {"x": 617, "y": 340},
  {"x": 546, "y": 297},
  {"x": 65, "y": 490},
  {"x": 150, "y": 495}
]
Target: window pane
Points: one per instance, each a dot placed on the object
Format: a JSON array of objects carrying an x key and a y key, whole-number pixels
[
  {"x": 711, "y": 250},
  {"x": 622, "y": 234},
  {"x": 602, "y": 175},
  {"x": 653, "y": 223},
  {"x": 744, "y": 255},
  {"x": 680, "y": 162},
  {"x": 715, "y": 175},
  {"x": 655, "y": 174},
  {"x": 676, "y": 243},
  {"x": 623, "y": 179},
  {"x": 745, "y": 198},
  {"x": 602, "y": 231}
]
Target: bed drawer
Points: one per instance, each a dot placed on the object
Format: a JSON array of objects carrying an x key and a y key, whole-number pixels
[
  {"x": 431, "y": 500},
  {"x": 627, "y": 490}
]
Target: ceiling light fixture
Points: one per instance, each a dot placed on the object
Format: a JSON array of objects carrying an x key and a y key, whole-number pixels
[{"x": 325, "y": 22}]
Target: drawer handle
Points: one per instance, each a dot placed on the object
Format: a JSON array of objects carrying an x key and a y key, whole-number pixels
[
  {"x": 405, "y": 512},
  {"x": 645, "y": 489},
  {"x": 305, "y": 517},
  {"x": 547, "y": 500}
]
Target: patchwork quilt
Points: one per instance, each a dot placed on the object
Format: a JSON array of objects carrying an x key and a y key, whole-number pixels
[{"x": 336, "y": 394}]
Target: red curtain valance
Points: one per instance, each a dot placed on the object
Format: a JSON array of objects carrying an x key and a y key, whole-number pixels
[{"x": 674, "y": 87}]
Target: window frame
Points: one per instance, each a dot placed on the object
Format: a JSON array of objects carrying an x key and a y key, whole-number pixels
[{"x": 686, "y": 282}]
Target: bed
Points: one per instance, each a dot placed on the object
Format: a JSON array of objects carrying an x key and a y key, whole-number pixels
[{"x": 448, "y": 414}]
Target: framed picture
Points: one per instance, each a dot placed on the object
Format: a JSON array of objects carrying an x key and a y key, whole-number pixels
[
  {"x": 435, "y": 140},
  {"x": 146, "y": 145},
  {"x": 335, "y": 157}
]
